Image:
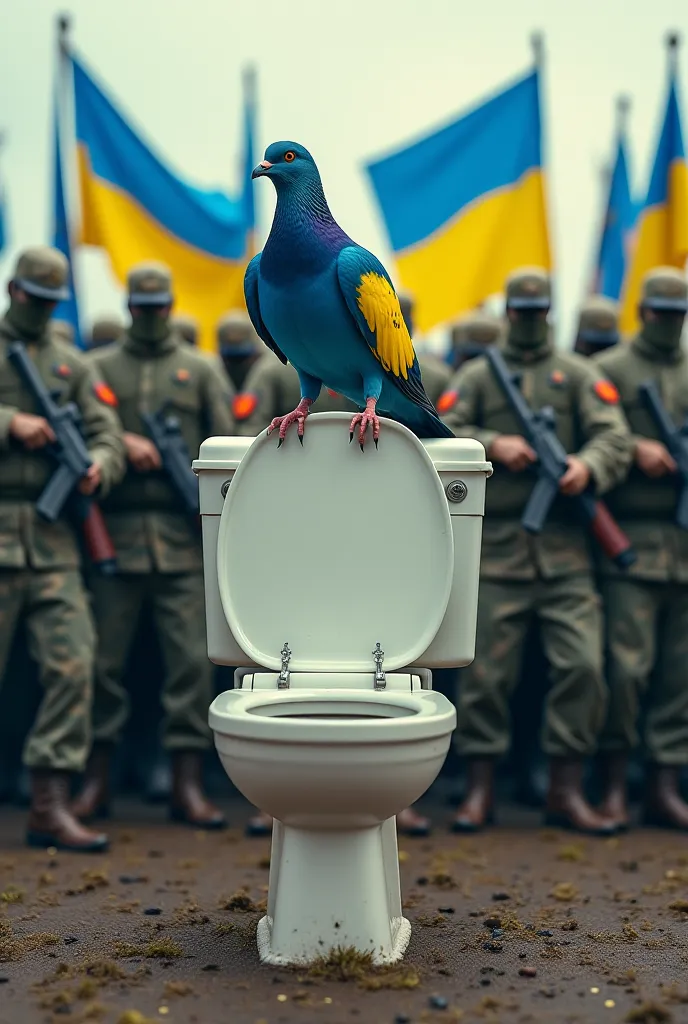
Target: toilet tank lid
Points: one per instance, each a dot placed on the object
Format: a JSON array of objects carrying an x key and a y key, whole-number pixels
[
  {"x": 449, "y": 455},
  {"x": 221, "y": 453},
  {"x": 458, "y": 455}
]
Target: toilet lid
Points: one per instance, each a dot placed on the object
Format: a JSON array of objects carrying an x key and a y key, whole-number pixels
[{"x": 331, "y": 550}]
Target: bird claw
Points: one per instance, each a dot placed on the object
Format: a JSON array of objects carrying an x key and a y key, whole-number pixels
[
  {"x": 279, "y": 443},
  {"x": 301, "y": 440},
  {"x": 351, "y": 437}
]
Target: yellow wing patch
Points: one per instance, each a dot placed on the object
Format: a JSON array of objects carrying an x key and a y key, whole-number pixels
[{"x": 379, "y": 304}]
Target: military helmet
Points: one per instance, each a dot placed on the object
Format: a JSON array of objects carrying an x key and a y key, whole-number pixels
[
  {"x": 665, "y": 290},
  {"x": 62, "y": 330},
  {"x": 105, "y": 329},
  {"x": 235, "y": 334},
  {"x": 598, "y": 321},
  {"x": 43, "y": 272},
  {"x": 528, "y": 288},
  {"x": 475, "y": 328},
  {"x": 187, "y": 327},
  {"x": 150, "y": 284}
]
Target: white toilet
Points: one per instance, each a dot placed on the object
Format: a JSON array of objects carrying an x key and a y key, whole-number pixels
[{"x": 337, "y": 579}]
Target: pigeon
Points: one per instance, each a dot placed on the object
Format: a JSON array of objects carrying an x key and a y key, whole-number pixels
[{"x": 328, "y": 306}]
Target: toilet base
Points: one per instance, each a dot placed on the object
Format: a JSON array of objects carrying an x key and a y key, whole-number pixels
[{"x": 333, "y": 889}]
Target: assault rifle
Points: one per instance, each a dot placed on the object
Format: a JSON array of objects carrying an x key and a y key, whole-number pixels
[
  {"x": 539, "y": 429},
  {"x": 674, "y": 439},
  {"x": 73, "y": 461},
  {"x": 165, "y": 433}
]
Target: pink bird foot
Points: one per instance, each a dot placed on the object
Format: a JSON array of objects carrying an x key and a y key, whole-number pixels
[
  {"x": 298, "y": 416},
  {"x": 363, "y": 420}
]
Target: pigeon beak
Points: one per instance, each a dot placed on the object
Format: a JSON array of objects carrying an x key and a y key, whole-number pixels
[{"x": 262, "y": 169}]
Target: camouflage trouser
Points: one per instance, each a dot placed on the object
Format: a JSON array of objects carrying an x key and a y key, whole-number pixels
[
  {"x": 568, "y": 610},
  {"x": 61, "y": 640},
  {"x": 178, "y": 605},
  {"x": 647, "y": 645}
]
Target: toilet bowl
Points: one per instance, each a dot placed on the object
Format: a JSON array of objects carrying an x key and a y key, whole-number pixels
[{"x": 332, "y": 573}]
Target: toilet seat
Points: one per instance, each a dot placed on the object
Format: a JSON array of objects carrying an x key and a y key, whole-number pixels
[
  {"x": 331, "y": 602},
  {"x": 255, "y": 714}
]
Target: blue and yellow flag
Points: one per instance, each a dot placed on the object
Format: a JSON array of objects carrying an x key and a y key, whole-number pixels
[
  {"x": 661, "y": 237},
  {"x": 137, "y": 209},
  {"x": 617, "y": 230},
  {"x": 67, "y": 310},
  {"x": 465, "y": 206}
]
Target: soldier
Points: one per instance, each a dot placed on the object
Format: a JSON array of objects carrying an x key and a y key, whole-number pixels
[
  {"x": 470, "y": 334},
  {"x": 187, "y": 326},
  {"x": 105, "y": 330},
  {"x": 238, "y": 345},
  {"x": 269, "y": 388},
  {"x": 158, "y": 548},
  {"x": 598, "y": 326},
  {"x": 548, "y": 577},
  {"x": 434, "y": 373},
  {"x": 40, "y": 581},
  {"x": 647, "y": 608}
]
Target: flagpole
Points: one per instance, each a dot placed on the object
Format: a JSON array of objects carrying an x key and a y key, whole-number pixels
[
  {"x": 673, "y": 41},
  {"x": 537, "y": 45},
  {"x": 249, "y": 80}
]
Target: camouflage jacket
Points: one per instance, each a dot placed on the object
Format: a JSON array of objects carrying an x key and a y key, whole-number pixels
[
  {"x": 24, "y": 538},
  {"x": 146, "y": 518},
  {"x": 646, "y": 507},
  {"x": 272, "y": 389},
  {"x": 589, "y": 424}
]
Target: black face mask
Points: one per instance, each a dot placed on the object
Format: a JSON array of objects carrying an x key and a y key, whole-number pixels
[
  {"x": 664, "y": 331},
  {"x": 529, "y": 330},
  {"x": 149, "y": 326},
  {"x": 30, "y": 318}
]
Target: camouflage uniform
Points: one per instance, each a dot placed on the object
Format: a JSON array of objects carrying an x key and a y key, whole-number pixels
[
  {"x": 239, "y": 346},
  {"x": 62, "y": 331},
  {"x": 647, "y": 607},
  {"x": 598, "y": 326},
  {"x": 40, "y": 579},
  {"x": 105, "y": 330},
  {"x": 272, "y": 389},
  {"x": 158, "y": 543},
  {"x": 548, "y": 577}
]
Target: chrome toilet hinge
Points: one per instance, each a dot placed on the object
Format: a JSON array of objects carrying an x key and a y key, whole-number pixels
[
  {"x": 283, "y": 679},
  {"x": 380, "y": 681}
]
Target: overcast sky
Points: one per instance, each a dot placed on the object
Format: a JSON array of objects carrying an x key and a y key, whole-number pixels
[{"x": 349, "y": 81}]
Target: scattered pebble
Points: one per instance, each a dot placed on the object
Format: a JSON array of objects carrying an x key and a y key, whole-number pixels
[
  {"x": 610, "y": 1004},
  {"x": 498, "y": 932},
  {"x": 499, "y": 896},
  {"x": 545, "y": 933},
  {"x": 492, "y": 922},
  {"x": 211, "y": 967},
  {"x": 446, "y": 910},
  {"x": 69, "y": 939},
  {"x": 132, "y": 879},
  {"x": 154, "y": 911},
  {"x": 527, "y": 972},
  {"x": 493, "y": 947},
  {"x": 281, "y": 998},
  {"x": 438, "y": 1003},
  {"x": 422, "y": 880},
  {"x": 401, "y": 1018},
  {"x": 4, "y": 981}
]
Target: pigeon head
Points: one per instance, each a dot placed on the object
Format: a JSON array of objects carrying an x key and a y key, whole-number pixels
[{"x": 287, "y": 163}]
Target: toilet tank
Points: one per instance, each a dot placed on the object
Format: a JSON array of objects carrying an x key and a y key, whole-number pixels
[{"x": 463, "y": 470}]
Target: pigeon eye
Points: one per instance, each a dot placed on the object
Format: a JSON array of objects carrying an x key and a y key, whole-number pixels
[{"x": 289, "y": 156}]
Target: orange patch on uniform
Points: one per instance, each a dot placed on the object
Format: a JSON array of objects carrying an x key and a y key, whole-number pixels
[
  {"x": 557, "y": 377},
  {"x": 244, "y": 405},
  {"x": 332, "y": 394},
  {"x": 105, "y": 393},
  {"x": 182, "y": 376},
  {"x": 62, "y": 370},
  {"x": 605, "y": 390},
  {"x": 447, "y": 401}
]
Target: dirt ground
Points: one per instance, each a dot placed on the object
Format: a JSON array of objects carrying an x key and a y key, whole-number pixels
[{"x": 515, "y": 925}]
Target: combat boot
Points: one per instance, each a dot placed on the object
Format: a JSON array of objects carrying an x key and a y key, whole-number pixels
[
  {"x": 566, "y": 803},
  {"x": 613, "y": 770},
  {"x": 52, "y": 823},
  {"x": 477, "y": 809},
  {"x": 664, "y": 805},
  {"x": 93, "y": 801},
  {"x": 189, "y": 803}
]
